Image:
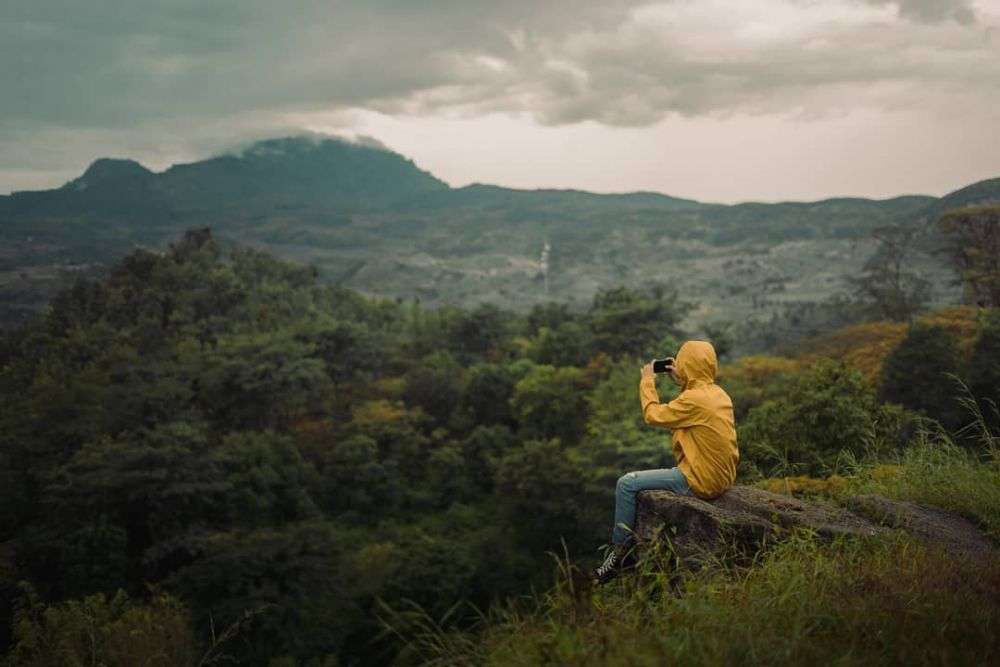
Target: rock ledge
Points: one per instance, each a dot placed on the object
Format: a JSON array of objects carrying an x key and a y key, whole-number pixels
[{"x": 752, "y": 517}]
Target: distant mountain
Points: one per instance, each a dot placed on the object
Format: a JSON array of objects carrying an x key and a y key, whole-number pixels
[
  {"x": 109, "y": 187},
  {"x": 109, "y": 172},
  {"x": 491, "y": 196},
  {"x": 300, "y": 172},
  {"x": 983, "y": 192},
  {"x": 371, "y": 219},
  {"x": 294, "y": 171},
  {"x": 116, "y": 204}
]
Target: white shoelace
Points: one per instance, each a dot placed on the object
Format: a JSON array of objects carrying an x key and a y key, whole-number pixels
[{"x": 608, "y": 563}]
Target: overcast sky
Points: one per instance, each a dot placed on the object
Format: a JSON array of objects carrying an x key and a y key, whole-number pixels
[{"x": 718, "y": 100}]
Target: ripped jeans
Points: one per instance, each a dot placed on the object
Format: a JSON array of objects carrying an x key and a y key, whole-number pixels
[{"x": 629, "y": 484}]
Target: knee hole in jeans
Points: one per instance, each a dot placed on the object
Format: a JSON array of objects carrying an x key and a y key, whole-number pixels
[{"x": 626, "y": 482}]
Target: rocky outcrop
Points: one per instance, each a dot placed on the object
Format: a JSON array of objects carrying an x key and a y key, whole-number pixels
[
  {"x": 748, "y": 517},
  {"x": 955, "y": 533}
]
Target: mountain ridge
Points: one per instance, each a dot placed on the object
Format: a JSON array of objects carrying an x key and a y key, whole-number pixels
[
  {"x": 298, "y": 145},
  {"x": 371, "y": 219}
]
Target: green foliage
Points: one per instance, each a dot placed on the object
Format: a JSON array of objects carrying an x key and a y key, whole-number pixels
[
  {"x": 885, "y": 286},
  {"x": 152, "y": 483},
  {"x": 568, "y": 344},
  {"x": 346, "y": 347},
  {"x": 550, "y": 315},
  {"x": 617, "y": 437},
  {"x": 973, "y": 243},
  {"x": 482, "y": 451},
  {"x": 488, "y": 392},
  {"x": 284, "y": 456},
  {"x": 448, "y": 479},
  {"x": 863, "y": 601},
  {"x": 436, "y": 385},
  {"x": 802, "y": 601},
  {"x": 261, "y": 379},
  {"x": 94, "y": 557},
  {"x": 268, "y": 480},
  {"x": 984, "y": 368},
  {"x": 402, "y": 447},
  {"x": 103, "y": 630},
  {"x": 310, "y": 583},
  {"x": 627, "y": 322},
  {"x": 827, "y": 410},
  {"x": 752, "y": 380},
  {"x": 548, "y": 403},
  {"x": 441, "y": 563},
  {"x": 722, "y": 336},
  {"x": 793, "y": 322},
  {"x": 539, "y": 487},
  {"x": 916, "y": 374},
  {"x": 480, "y": 332},
  {"x": 354, "y": 482}
]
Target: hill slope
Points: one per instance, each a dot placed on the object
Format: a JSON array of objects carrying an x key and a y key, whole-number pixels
[{"x": 370, "y": 219}]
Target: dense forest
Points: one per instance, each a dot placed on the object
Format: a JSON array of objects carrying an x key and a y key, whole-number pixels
[{"x": 211, "y": 454}]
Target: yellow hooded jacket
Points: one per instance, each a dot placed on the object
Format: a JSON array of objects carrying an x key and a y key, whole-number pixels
[{"x": 700, "y": 418}]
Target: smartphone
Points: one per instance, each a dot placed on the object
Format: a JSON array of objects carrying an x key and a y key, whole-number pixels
[{"x": 663, "y": 365}]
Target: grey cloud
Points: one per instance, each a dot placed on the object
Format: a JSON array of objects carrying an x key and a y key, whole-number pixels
[
  {"x": 635, "y": 77},
  {"x": 115, "y": 63},
  {"x": 933, "y": 11},
  {"x": 159, "y": 76}
]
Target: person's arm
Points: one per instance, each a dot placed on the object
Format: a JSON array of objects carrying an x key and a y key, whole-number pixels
[{"x": 678, "y": 413}]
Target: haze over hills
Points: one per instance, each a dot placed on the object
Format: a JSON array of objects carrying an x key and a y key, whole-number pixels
[{"x": 370, "y": 219}]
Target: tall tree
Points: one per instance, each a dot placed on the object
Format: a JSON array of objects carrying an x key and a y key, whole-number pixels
[
  {"x": 984, "y": 369},
  {"x": 885, "y": 285},
  {"x": 629, "y": 322},
  {"x": 916, "y": 374},
  {"x": 974, "y": 248},
  {"x": 549, "y": 403}
]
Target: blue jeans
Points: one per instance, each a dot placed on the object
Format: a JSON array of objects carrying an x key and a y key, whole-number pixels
[{"x": 629, "y": 484}]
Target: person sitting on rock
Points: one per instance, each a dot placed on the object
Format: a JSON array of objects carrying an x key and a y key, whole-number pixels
[{"x": 703, "y": 430}]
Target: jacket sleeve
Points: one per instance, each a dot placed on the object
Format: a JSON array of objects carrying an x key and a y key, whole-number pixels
[{"x": 678, "y": 413}]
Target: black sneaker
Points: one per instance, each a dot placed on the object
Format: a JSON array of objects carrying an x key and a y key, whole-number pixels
[{"x": 618, "y": 559}]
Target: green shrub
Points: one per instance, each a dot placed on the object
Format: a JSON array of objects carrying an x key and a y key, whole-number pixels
[
  {"x": 827, "y": 410},
  {"x": 916, "y": 372},
  {"x": 850, "y": 602},
  {"x": 984, "y": 369},
  {"x": 102, "y": 630}
]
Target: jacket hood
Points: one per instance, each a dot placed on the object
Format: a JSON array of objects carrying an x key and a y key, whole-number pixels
[{"x": 696, "y": 363}]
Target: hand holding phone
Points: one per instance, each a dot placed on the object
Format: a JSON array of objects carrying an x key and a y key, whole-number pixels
[{"x": 663, "y": 365}]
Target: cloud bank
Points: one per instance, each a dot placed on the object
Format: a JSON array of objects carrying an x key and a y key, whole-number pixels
[{"x": 169, "y": 79}]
